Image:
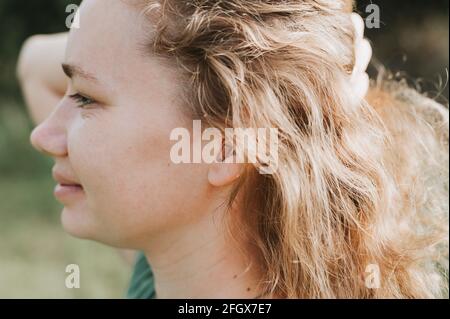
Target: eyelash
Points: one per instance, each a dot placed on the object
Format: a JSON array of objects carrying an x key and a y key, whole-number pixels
[{"x": 81, "y": 100}]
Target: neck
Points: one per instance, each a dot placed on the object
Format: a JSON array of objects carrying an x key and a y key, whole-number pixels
[{"x": 198, "y": 261}]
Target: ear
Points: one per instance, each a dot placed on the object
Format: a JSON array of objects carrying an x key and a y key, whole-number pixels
[{"x": 224, "y": 171}]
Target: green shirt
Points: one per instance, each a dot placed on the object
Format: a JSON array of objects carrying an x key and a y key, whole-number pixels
[{"x": 142, "y": 284}]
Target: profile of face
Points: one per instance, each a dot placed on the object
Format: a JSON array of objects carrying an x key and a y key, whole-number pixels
[{"x": 109, "y": 135}]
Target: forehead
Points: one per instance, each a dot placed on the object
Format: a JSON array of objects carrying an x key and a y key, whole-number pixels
[{"x": 111, "y": 36}]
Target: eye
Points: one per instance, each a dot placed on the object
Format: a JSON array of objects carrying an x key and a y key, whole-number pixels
[{"x": 81, "y": 100}]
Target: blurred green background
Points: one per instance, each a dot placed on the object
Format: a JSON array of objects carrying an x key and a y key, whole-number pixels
[{"x": 34, "y": 250}]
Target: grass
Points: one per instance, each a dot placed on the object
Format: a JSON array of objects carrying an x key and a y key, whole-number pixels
[{"x": 34, "y": 250}]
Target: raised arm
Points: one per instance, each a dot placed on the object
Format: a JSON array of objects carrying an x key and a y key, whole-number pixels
[{"x": 40, "y": 75}]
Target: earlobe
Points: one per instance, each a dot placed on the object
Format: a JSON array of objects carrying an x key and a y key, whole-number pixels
[
  {"x": 223, "y": 174},
  {"x": 224, "y": 171}
]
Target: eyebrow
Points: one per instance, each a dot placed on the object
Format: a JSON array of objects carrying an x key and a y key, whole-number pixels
[{"x": 73, "y": 70}]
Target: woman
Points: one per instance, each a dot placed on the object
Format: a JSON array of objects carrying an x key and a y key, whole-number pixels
[{"x": 356, "y": 207}]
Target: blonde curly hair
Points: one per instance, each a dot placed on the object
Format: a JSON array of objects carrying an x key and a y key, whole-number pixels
[{"x": 358, "y": 183}]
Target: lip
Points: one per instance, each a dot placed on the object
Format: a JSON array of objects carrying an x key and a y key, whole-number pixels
[
  {"x": 66, "y": 188},
  {"x": 66, "y": 192}
]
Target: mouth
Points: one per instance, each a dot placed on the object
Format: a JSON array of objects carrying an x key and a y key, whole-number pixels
[
  {"x": 66, "y": 189},
  {"x": 75, "y": 186}
]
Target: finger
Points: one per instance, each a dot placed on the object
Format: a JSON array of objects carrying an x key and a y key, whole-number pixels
[
  {"x": 358, "y": 24},
  {"x": 363, "y": 55},
  {"x": 360, "y": 86}
]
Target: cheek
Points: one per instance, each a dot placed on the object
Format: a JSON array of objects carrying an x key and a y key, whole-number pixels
[{"x": 131, "y": 185}]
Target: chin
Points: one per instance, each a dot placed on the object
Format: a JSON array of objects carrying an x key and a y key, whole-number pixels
[
  {"x": 80, "y": 224},
  {"x": 76, "y": 223}
]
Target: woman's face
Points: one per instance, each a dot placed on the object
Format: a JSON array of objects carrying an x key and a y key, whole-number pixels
[{"x": 117, "y": 148}]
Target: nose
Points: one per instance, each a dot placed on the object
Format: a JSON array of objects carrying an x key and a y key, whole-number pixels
[{"x": 49, "y": 138}]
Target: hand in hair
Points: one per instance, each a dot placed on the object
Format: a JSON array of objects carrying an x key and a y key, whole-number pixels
[{"x": 363, "y": 54}]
